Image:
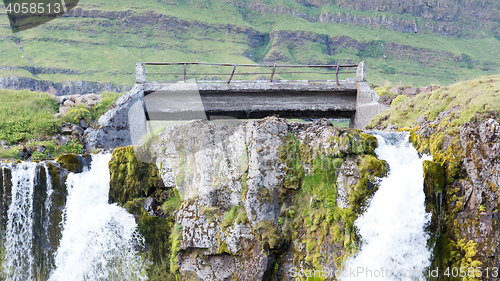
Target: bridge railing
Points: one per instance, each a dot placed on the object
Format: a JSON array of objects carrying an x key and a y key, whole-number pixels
[{"x": 230, "y": 71}]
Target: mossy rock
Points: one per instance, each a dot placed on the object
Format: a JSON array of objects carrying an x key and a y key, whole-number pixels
[
  {"x": 70, "y": 162},
  {"x": 371, "y": 143},
  {"x": 131, "y": 178},
  {"x": 433, "y": 177},
  {"x": 434, "y": 180}
]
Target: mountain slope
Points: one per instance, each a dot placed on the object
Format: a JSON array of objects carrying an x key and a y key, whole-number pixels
[{"x": 101, "y": 41}]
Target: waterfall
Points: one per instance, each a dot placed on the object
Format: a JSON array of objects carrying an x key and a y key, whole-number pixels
[
  {"x": 19, "y": 258},
  {"x": 394, "y": 242},
  {"x": 47, "y": 234},
  {"x": 99, "y": 240},
  {"x": 26, "y": 221}
]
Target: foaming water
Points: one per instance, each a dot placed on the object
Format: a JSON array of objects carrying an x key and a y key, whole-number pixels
[
  {"x": 394, "y": 242},
  {"x": 19, "y": 259},
  {"x": 99, "y": 240}
]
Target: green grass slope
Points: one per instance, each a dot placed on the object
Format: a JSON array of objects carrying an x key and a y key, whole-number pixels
[{"x": 100, "y": 41}]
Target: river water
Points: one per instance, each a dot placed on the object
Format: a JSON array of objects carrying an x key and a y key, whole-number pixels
[{"x": 394, "y": 242}]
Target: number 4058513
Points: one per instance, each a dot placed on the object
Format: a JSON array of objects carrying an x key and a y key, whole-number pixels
[{"x": 33, "y": 8}]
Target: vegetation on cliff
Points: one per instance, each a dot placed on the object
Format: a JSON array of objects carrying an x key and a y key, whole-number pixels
[{"x": 310, "y": 213}]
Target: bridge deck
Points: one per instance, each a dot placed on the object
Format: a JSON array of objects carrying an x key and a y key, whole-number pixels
[
  {"x": 251, "y": 100},
  {"x": 350, "y": 98}
]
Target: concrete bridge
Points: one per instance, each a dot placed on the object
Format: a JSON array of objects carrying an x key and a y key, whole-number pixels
[{"x": 351, "y": 98}]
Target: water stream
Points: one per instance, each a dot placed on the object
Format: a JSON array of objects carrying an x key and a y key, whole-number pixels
[
  {"x": 394, "y": 242},
  {"x": 89, "y": 239}
]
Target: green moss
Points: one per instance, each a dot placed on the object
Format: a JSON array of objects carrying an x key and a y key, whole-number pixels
[
  {"x": 264, "y": 195},
  {"x": 209, "y": 212},
  {"x": 236, "y": 214},
  {"x": 370, "y": 169},
  {"x": 242, "y": 218},
  {"x": 270, "y": 233},
  {"x": 371, "y": 143},
  {"x": 70, "y": 162},
  {"x": 433, "y": 177},
  {"x": 176, "y": 247},
  {"x": 172, "y": 204},
  {"x": 398, "y": 100},
  {"x": 131, "y": 178},
  {"x": 290, "y": 155},
  {"x": 313, "y": 213}
]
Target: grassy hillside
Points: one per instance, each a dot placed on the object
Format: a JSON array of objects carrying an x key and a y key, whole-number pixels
[
  {"x": 100, "y": 41},
  {"x": 477, "y": 98}
]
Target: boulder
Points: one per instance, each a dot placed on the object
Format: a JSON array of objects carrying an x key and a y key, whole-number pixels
[
  {"x": 83, "y": 124},
  {"x": 412, "y": 92},
  {"x": 80, "y": 100},
  {"x": 66, "y": 130},
  {"x": 90, "y": 97},
  {"x": 426, "y": 89},
  {"x": 396, "y": 91},
  {"x": 79, "y": 130},
  {"x": 69, "y": 102},
  {"x": 114, "y": 126},
  {"x": 61, "y": 99},
  {"x": 63, "y": 110}
]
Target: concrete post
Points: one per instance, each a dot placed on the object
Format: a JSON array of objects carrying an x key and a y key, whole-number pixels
[
  {"x": 367, "y": 106},
  {"x": 361, "y": 72},
  {"x": 140, "y": 73}
]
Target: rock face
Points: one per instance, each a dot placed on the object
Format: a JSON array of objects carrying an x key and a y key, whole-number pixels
[
  {"x": 480, "y": 218},
  {"x": 114, "y": 125},
  {"x": 260, "y": 198},
  {"x": 60, "y": 89},
  {"x": 461, "y": 188}
]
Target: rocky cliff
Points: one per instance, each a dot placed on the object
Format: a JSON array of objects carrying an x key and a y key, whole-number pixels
[
  {"x": 251, "y": 201},
  {"x": 60, "y": 89}
]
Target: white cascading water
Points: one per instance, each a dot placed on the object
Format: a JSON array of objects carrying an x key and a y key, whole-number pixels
[
  {"x": 99, "y": 240},
  {"x": 394, "y": 242},
  {"x": 19, "y": 259}
]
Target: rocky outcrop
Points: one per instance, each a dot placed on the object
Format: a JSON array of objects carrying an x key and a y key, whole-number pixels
[
  {"x": 461, "y": 189},
  {"x": 114, "y": 129},
  {"x": 480, "y": 218},
  {"x": 256, "y": 198}
]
